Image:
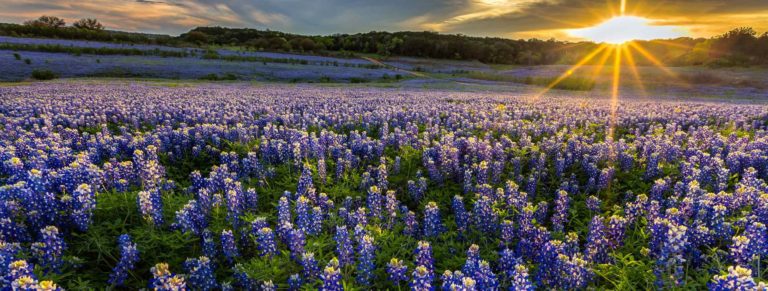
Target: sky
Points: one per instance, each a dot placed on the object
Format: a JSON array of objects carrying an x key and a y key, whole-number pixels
[{"x": 500, "y": 18}]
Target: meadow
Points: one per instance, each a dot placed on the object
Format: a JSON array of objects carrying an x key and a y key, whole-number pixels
[{"x": 229, "y": 186}]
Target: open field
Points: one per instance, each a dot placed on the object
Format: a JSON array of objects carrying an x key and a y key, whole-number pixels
[{"x": 118, "y": 183}]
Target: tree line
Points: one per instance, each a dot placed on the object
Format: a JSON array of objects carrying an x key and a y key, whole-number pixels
[{"x": 738, "y": 47}]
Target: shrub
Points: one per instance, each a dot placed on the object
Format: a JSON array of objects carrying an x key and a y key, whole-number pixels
[
  {"x": 43, "y": 75},
  {"x": 214, "y": 77},
  {"x": 17, "y": 56},
  {"x": 28, "y": 61}
]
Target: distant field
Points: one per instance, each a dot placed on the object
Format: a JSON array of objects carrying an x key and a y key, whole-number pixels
[{"x": 21, "y": 57}]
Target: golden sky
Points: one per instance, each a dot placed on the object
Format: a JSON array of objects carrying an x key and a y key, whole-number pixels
[{"x": 504, "y": 18}]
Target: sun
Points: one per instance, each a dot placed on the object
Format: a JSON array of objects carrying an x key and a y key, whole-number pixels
[
  {"x": 617, "y": 47},
  {"x": 622, "y": 29}
]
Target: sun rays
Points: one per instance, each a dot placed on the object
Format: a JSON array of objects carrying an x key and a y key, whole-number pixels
[{"x": 619, "y": 42}]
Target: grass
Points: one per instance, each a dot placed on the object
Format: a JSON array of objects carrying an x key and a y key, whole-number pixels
[{"x": 573, "y": 83}]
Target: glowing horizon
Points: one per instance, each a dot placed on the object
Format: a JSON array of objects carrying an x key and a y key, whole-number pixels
[{"x": 621, "y": 29}]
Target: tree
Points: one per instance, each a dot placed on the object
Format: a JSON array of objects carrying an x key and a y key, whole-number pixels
[
  {"x": 46, "y": 21},
  {"x": 88, "y": 24},
  {"x": 197, "y": 37}
]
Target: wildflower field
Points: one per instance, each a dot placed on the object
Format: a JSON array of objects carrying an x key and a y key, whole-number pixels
[{"x": 235, "y": 187}]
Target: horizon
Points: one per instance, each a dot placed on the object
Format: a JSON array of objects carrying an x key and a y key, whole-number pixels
[{"x": 510, "y": 19}]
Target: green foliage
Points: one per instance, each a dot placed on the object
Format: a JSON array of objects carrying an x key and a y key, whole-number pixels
[
  {"x": 215, "y": 77},
  {"x": 56, "y": 48},
  {"x": 573, "y": 83},
  {"x": 43, "y": 75}
]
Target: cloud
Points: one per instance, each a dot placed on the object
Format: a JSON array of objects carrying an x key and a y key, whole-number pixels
[{"x": 507, "y": 18}]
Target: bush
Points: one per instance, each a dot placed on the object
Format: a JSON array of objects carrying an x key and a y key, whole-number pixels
[
  {"x": 28, "y": 61},
  {"x": 17, "y": 56},
  {"x": 43, "y": 75},
  {"x": 214, "y": 77}
]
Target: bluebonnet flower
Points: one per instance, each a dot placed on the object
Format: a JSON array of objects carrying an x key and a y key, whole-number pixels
[
  {"x": 295, "y": 282},
  {"x": 303, "y": 214},
  {"x": 460, "y": 213},
  {"x": 560, "y": 215},
  {"x": 433, "y": 224},
  {"x": 310, "y": 266},
  {"x": 411, "y": 224},
  {"x": 50, "y": 248},
  {"x": 265, "y": 242},
  {"x": 758, "y": 238},
  {"x": 391, "y": 205},
  {"x": 739, "y": 250},
  {"x": 305, "y": 181},
  {"x": 575, "y": 272},
  {"x": 151, "y": 206},
  {"x": 164, "y": 280},
  {"x": 424, "y": 256},
  {"x": 617, "y": 226},
  {"x": 47, "y": 285},
  {"x": 83, "y": 204},
  {"x": 190, "y": 219},
  {"x": 652, "y": 166},
  {"x": 472, "y": 263},
  {"x": 415, "y": 191},
  {"x": 593, "y": 204},
  {"x": 365, "y": 260},
  {"x": 520, "y": 281},
  {"x": 208, "y": 243},
  {"x": 483, "y": 216},
  {"x": 296, "y": 242},
  {"x": 507, "y": 232},
  {"x": 738, "y": 278},
  {"x": 284, "y": 211},
  {"x": 251, "y": 199},
  {"x": 381, "y": 176},
  {"x": 507, "y": 261},
  {"x": 322, "y": 172},
  {"x": 200, "y": 274},
  {"x": 482, "y": 172},
  {"x": 422, "y": 279},
  {"x": 234, "y": 199},
  {"x": 18, "y": 269},
  {"x": 397, "y": 271},
  {"x": 24, "y": 283},
  {"x": 456, "y": 281},
  {"x": 129, "y": 256},
  {"x": 468, "y": 185},
  {"x": 268, "y": 286},
  {"x": 375, "y": 201},
  {"x": 332, "y": 277},
  {"x": 670, "y": 257},
  {"x": 242, "y": 280},
  {"x": 339, "y": 168},
  {"x": 606, "y": 176},
  {"x": 228, "y": 245},
  {"x": 496, "y": 170},
  {"x": 597, "y": 242},
  {"x": 485, "y": 278},
  {"x": 344, "y": 249}
]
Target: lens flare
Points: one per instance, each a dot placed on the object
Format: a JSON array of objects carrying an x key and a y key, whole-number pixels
[{"x": 621, "y": 29}]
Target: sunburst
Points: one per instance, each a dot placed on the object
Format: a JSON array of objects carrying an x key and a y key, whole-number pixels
[{"x": 617, "y": 40}]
